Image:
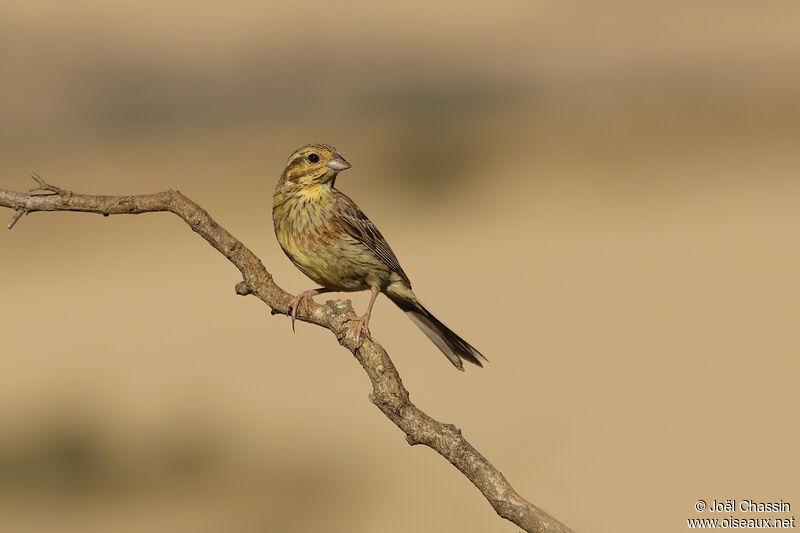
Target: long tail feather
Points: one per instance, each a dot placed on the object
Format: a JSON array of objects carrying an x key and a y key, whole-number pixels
[{"x": 454, "y": 347}]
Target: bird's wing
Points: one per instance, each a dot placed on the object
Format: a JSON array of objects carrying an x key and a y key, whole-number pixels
[{"x": 362, "y": 229}]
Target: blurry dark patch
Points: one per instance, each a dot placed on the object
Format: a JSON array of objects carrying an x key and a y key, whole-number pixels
[
  {"x": 279, "y": 490},
  {"x": 67, "y": 459},
  {"x": 124, "y": 97},
  {"x": 128, "y": 101},
  {"x": 433, "y": 127},
  {"x": 73, "y": 460},
  {"x": 188, "y": 455}
]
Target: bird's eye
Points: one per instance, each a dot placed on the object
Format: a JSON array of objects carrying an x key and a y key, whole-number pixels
[{"x": 314, "y": 158}]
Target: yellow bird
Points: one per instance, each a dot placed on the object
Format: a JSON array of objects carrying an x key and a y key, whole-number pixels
[{"x": 333, "y": 242}]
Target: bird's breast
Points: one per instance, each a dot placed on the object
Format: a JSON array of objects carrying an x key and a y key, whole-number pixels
[{"x": 305, "y": 225}]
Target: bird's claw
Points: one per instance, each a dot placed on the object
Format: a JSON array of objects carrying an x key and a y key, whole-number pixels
[
  {"x": 362, "y": 327},
  {"x": 300, "y": 299}
]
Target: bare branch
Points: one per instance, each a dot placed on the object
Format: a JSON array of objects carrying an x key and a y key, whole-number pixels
[{"x": 388, "y": 392}]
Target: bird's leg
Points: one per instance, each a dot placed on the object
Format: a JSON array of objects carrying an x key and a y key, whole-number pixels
[
  {"x": 363, "y": 322},
  {"x": 303, "y": 298}
]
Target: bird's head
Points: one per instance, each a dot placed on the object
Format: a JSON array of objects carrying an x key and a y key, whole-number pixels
[{"x": 313, "y": 164}]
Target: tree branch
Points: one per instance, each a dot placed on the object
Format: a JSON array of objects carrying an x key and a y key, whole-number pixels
[{"x": 388, "y": 392}]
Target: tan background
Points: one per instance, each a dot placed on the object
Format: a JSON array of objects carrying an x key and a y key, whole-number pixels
[{"x": 602, "y": 197}]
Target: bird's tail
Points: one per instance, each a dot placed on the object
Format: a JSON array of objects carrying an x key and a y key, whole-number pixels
[{"x": 454, "y": 347}]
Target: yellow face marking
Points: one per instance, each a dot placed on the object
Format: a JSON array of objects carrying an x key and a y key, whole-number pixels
[{"x": 308, "y": 166}]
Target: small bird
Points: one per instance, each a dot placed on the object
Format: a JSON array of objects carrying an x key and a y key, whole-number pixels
[{"x": 333, "y": 242}]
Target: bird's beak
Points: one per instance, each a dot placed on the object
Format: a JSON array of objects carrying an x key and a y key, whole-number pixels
[{"x": 338, "y": 163}]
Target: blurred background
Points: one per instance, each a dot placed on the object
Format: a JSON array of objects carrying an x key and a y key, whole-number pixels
[{"x": 603, "y": 198}]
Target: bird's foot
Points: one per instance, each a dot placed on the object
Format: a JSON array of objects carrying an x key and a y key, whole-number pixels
[
  {"x": 301, "y": 299},
  {"x": 362, "y": 328}
]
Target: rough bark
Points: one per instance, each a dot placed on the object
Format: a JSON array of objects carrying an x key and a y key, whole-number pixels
[{"x": 388, "y": 392}]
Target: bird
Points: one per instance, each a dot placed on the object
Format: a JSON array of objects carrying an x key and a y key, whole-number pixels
[{"x": 330, "y": 239}]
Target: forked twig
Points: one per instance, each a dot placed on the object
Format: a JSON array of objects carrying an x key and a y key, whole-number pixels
[{"x": 46, "y": 187}]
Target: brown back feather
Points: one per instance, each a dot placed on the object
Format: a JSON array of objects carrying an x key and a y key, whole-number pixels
[{"x": 360, "y": 227}]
